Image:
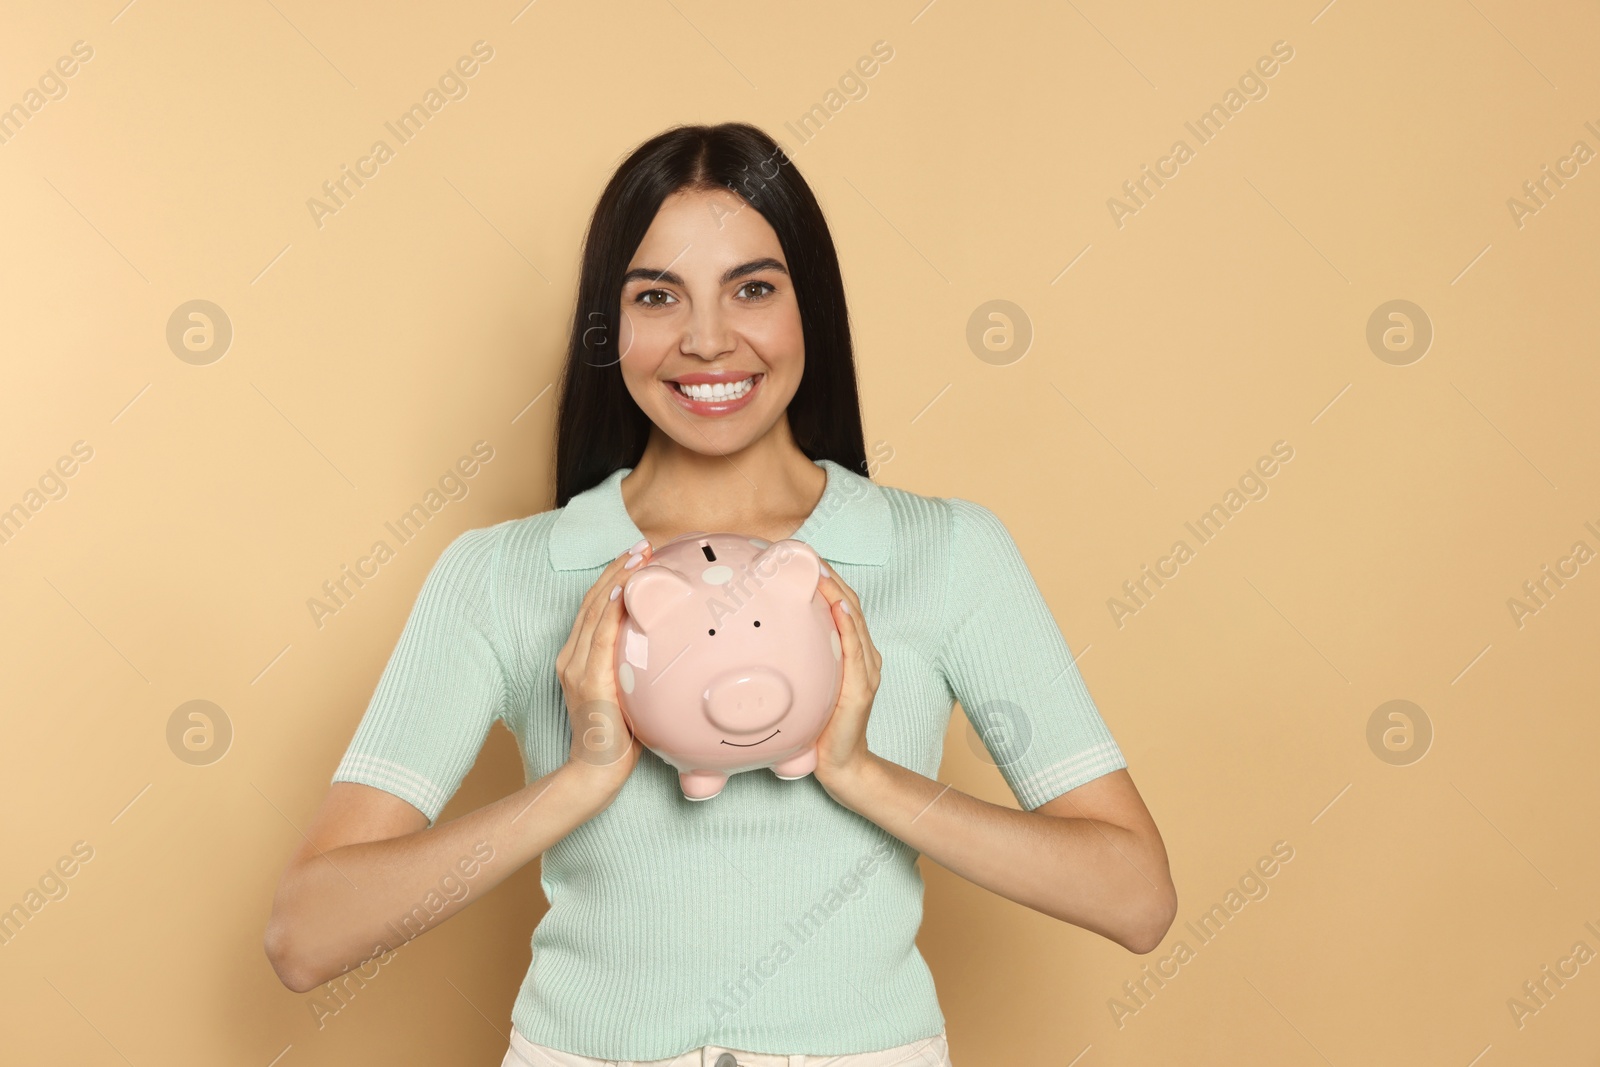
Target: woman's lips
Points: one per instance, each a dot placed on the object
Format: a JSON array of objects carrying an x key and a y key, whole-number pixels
[{"x": 715, "y": 407}]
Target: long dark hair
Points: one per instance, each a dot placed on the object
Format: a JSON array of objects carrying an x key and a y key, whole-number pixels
[{"x": 599, "y": 428}]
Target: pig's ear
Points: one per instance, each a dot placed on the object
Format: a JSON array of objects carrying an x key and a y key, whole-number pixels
[
  {"x": 653, "y": 594},
  {"x": 790, "y": 568}
]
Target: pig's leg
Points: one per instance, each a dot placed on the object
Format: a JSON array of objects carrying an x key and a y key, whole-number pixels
[
  {"x": 797, "y": 766},
  {"x": 701, "y": 785}
]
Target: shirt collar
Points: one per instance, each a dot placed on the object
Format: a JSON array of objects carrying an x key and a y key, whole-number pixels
[{"x": 850, "y": 524}]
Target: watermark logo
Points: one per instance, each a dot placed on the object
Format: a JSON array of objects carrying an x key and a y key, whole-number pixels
[
  {"x": 1399, "y": 732},
  {"x": 452, "y": 86},
  {"x": 1252, "y": 886},
  {"x": 1399, "y": 332},
  {"x": 51, "y": 886},
  {"x": 1252, "y": 85},
  {"x": 199, "y": 332},
  {"x": 1538, "y": 992},
  {"x": 1001, "y": 734},
  {"x": 852, "y": 86},
  {"x": 50, "y": 87},
  {"x": 736, "y": 993},
  {"x": 453, "y": 888},
  {"x": 1139, "y": 592},
  {"x": 199, "y": 733},
  {"x": 452, "y": 486},
  {"x": 1538, "y": 591},
  {"x": 50, "y": 487},
  {"x": 999, "y": 332},
  {"x": 1540, "y": 190},
  {"x": 599, "y": 738}
]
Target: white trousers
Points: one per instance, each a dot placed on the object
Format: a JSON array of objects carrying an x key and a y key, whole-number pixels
[{"x": 926, "y": 1052}]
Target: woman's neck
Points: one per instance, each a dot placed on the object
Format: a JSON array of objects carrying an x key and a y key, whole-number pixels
[{"x": 765, "y": 490}]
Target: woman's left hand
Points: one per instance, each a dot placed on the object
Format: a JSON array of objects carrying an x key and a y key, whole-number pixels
[{"x": 842, "y": 746}]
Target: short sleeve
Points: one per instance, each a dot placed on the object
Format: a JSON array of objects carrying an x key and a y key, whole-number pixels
[
  {"x": 1007, "y": 663},
  {"x": 443, "y": 687}
]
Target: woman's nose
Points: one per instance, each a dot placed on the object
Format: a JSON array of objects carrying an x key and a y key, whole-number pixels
[{"x": 707, "y": 333}]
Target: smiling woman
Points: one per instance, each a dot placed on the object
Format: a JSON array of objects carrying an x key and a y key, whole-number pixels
[
  {"x": 710, "y": 386},
  {"x": 754, "y": 300}
]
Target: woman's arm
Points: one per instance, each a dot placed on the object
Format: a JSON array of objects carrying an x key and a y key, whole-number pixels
[
  {"x": 367, "y": 878},
  {"x": 1091, "y": 857},
  {"x": 371, "y": 874}
]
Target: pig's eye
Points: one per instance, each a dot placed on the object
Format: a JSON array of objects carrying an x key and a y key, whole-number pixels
[
  {"x": 711, "y": 633},
  {"x": 758, "y": 622}
]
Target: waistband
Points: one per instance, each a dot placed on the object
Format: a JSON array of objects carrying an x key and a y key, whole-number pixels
[{"x": 924, "y": 1052}]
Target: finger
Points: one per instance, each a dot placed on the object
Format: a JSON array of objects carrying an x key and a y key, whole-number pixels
[
  {"x": 602, "y": 655},
  {"x": 871, "y": 659},
  {"x": 595, "y": 601},
  {"x": 608, "y": 588},
  {"x": 603, "y": 639},
  {"x": 844, "y": 592},
  {"x": 603, "y": 581},
  {"x": 836, "y": 593},
  {"x": 575, "y": 652},
  {"x": 831, "y": 578},
  {"x": 850, "y": 643}
]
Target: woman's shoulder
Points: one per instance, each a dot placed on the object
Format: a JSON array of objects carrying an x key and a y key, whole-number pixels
[
  {"x": 962, "y": 526},
  {"x": 508, "y": 551}
]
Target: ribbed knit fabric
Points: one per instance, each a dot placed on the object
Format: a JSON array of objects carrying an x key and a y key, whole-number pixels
[{"x": 769, "y": 918}]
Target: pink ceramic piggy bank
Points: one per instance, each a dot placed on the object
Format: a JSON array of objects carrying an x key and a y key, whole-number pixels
[{"x": 728, "y": 659}]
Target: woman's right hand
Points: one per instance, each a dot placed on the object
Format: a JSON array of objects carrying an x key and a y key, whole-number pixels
[{"x": 603, "y": 747}]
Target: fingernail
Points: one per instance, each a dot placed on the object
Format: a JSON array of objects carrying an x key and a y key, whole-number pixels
[
  {"x": 633, "y": 561},
  {"x": 615, "y": 590},
  {"x": 644, "y": 543},
  {"x": 846, "y": 605},
  {"x": 826, "y": 571}
]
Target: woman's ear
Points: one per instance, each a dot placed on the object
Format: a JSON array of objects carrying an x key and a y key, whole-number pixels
[{"x": 655, "y": 593}]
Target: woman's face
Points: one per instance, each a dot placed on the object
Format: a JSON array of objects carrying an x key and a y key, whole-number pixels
[{"x": 707, "y": 300}]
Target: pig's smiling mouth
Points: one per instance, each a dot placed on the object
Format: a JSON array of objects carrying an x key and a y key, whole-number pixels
[{"x": 752, "y": 744}]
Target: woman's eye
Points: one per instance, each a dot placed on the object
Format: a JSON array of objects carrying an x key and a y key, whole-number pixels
[{"x": 655, "y": 298}]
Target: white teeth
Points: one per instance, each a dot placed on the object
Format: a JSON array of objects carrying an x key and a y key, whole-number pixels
[{"x": 716, "y": 391}]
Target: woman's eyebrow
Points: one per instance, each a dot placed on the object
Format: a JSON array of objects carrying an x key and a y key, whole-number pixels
[{"x": 650, "y": 274}]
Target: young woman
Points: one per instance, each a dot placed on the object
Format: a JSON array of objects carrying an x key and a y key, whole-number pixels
[{"x": 710, "y": 386}]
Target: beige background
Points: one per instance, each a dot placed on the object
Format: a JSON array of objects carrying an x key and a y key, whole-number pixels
[{"x": 1230, "y": 312}]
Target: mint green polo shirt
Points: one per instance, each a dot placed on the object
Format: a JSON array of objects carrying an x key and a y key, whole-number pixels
[{"x": 769, "y": 918}]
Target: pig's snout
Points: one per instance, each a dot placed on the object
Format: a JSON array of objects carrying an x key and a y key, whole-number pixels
[{"x": 748, "y": 701}]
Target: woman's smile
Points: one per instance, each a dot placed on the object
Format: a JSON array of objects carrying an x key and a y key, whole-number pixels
[{"x": 714, "y": 400}]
